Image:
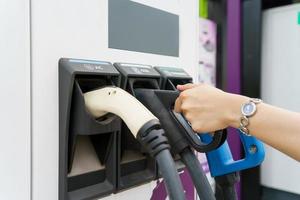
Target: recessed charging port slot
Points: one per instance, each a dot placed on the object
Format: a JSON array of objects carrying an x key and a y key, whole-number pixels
[
  {"x": 89, "y": 164},
  {"x": 88, "y": 146},
  {"x": 92, "y": 142},
  {"x": 89, "y": 83},
  {"x": 171, "y": 84},
  {"x": 171, "y": 77},
  {"x": 146, "y": 83}
]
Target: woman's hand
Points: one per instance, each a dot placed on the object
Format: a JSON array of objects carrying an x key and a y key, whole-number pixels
[{"x": 207, "y": 108}]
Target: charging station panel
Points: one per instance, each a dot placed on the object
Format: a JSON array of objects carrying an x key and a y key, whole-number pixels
[
  {"x": 87, "y": 146},
  {"x": 100, "y": 156},
  {"x": 136, "y": 167}
]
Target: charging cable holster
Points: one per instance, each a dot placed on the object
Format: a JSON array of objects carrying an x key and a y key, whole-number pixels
[
  {"x": 79, "y": 132},
  {"x": 136, "y": 166}
]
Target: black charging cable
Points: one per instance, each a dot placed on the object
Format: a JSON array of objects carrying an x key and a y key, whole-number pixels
[
  {"x": 197, "y": 174},
  {"x": 153, "y": 138},
  {"x": 159, "y": 102},
  {"x": 225, "y": 186}
]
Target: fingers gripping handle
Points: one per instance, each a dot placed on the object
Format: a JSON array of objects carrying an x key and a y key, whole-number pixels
[{"x": 119, "y": 102}]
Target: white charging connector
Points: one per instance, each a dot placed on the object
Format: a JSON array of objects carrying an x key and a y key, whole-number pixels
[{"x": 119, "y": 102}]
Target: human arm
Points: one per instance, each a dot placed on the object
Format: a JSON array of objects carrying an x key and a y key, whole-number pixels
[{"x": 209, "y": 109}]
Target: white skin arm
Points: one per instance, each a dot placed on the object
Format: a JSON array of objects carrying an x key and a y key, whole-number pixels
[{"x": 208, "y": 109}]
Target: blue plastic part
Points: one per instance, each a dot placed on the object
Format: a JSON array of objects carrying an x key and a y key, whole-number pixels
[{"x": 221, "y": 161}]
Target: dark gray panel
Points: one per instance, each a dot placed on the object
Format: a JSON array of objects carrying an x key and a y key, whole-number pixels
[
  {"x": 272, "y": 194},
  {"x": 250, "y": 80},
  {"x": 137, "y": 27},
  {"x": 217, "y": 12}
]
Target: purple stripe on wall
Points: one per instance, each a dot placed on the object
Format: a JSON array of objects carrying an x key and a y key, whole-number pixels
[{"x": 233, "y": 68}]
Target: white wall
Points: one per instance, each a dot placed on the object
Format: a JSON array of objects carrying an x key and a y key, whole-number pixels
[
  {"x": 281, "y": 87},
  {"x": 15, "y": 100},
  {"x": 78, "y": 29}
]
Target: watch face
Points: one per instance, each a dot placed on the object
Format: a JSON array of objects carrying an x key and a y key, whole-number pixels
[{"x": 248, "y": 109}]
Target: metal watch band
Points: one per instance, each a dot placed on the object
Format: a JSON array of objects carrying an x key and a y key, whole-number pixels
[{"x": 244, "y": 120}]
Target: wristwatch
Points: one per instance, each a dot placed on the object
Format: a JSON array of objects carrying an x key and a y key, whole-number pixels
[{"x": 248, "y": 110}]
